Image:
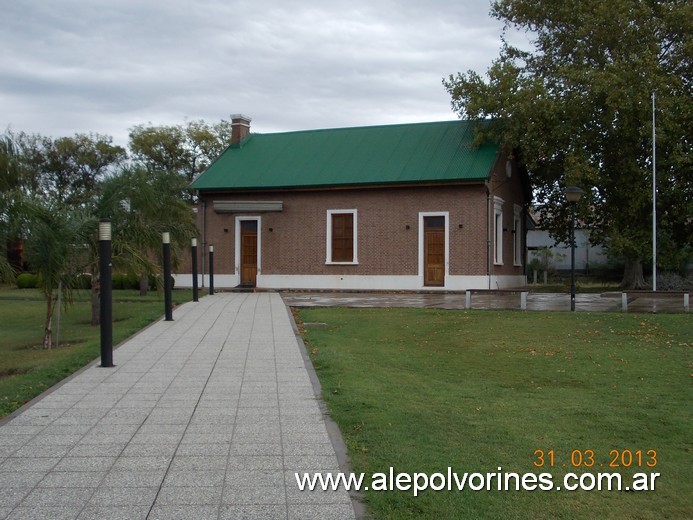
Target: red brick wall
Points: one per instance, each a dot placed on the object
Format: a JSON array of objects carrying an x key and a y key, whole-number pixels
[
  {"x": 297, "y": 242},
  {"x": 510, "y": 190}
]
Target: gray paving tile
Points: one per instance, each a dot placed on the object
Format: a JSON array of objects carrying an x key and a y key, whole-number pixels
[
  {"x": 123, "y": 496},
  {"x": 150, "y": 450},
  {"x": 58, "y": 497},
  {"x": 257, "y": 462},
  {"x": 108, "y": 439},
  {"x": 97, "y": 450},
  {"x": 253, "y": 512},
  {"x": 254, "y": 478},
  {"x": 94, "y": 463},
  {"x": 207, "y": 438},
  {"x": 20, "y": 465},
  {"x": 134, "y": 478},
  {"x": 20, "y": 479},
  {"x": 191, "y": 478},
  {"x": 184, "y": 512},
  {"x": 247, "y": 495},
  {"x": 320, "y": 511},
  {"x": 311, "y": 462},
  {"x": 41, "y": 512},
  {"x": 42, "y": 451},
  {"x": 114, "y": 513},
  {"x": 189, "y": 495},
  {"x": 47, "y": 439},
  {"x": 72, "y": 479},
  {"x": 142, "y": 463},
  {"x": 198, "y": 463},
  {"x": 156, "y": 438},
  {"x": 11, "y": 496}
]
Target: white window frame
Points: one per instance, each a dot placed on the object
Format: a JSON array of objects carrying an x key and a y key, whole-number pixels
[
  {"x": 517, "y": 235},
  {"x": 328, "y": 257},
  {"x": 498, "y": 230}
]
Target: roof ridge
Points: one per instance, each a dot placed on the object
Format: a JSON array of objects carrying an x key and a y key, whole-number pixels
[{"x": 363, "y": 127}]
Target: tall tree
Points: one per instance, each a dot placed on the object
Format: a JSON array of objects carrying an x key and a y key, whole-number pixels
[
  {"x": 185, "y": 149},
  {"x": 577, "y": 110},
  {"x": 67, "y": 169}
]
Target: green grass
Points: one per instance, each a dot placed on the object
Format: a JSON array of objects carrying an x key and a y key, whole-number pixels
[
  {"x": 26, "y": 369},
  {"x": 422, "y": 390}
]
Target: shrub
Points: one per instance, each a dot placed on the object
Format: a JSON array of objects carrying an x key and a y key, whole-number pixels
[
  {"x": 84, "y": 282},
  {"x": 27, "y": 281},
  {"x": 668, "y": 281},
  {"x": 118, "y": 281},
  {"x": 132, "y": 281}
]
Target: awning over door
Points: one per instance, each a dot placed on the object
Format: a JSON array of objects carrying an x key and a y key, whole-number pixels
[{"x": 247, "y": 206}]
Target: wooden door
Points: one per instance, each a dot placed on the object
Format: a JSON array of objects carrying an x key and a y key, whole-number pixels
[
  {"x": 434, "y": 251},
  {"x": 249, "y": 253}
]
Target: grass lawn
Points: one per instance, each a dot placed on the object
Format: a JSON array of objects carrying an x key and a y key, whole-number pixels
[
  {"x": 422, "y": 390},
  {"x": 26, "y": 369}
]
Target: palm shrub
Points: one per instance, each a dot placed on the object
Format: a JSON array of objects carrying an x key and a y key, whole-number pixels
[{"x": 56, "y": 250}]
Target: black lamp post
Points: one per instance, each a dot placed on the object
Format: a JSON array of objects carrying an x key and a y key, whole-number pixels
[
  {"x": 168, "y": 301},
  {"x": 573, "y": 194},
  {"x": 106, "y": 297},
  {"x": 193, "y": 244},
  {"x": 211, "y": 270}
]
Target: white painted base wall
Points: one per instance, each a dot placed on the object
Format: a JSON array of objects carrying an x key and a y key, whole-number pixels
[{"x": 352, "y": 283}]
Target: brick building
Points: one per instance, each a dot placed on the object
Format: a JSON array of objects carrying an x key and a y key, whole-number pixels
[{"x": 397, "y": 207}]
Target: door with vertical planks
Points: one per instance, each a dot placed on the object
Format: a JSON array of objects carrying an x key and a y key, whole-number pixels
[
  {"x": 249, "y": 253},
  {"x": 434, "y": 251}
]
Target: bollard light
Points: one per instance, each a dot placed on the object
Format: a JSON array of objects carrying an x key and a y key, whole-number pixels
[
  {"x": 168, "y": 301},
  {"x": 211, "y": 269},
  {"x": 106, "y": 297},
  {"x": 193, "y": 245}
]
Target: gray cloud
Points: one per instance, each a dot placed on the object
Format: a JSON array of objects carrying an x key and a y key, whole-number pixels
[{"x": 72, "y": 66}]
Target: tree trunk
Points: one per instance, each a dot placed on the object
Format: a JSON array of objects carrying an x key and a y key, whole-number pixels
[
  {"x": 632, "y": 275},
  {"x": 144, "y": 284},
  {"x": 47, "y": 328},
  {"x": 95, "y": 300}
]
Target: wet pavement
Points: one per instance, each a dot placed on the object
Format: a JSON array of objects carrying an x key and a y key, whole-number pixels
[{"x": 508, "y": 300}]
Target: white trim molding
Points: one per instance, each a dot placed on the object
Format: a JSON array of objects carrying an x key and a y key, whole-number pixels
[
  {"x": 359, "y": 282},
  {"x": 446, "y": 216},
  {"x": 328, "y": 247},
  {"x": 498, "y": 230},
  {"x": 237, "y": 246},
  {"x": 517, "y": 235}
]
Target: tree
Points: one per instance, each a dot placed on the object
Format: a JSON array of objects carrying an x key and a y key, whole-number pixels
[
  {"x": 185, "y": 149},
  {"x": 10, "y": 191},
  {"x": 141, "y": 206},
  {"x": 67, "y": 169},
  {"x": 577, "y": 110},
  {"x": 56, "y": 250}
]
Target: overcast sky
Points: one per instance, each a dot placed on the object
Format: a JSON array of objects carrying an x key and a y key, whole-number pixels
[{"x": 73, "y": 66}]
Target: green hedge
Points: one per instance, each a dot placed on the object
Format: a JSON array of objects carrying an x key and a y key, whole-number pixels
[{"x": 27, "y": 281}]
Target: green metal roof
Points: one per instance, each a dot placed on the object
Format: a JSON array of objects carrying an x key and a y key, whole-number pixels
[{"x": 407, "y": 153}]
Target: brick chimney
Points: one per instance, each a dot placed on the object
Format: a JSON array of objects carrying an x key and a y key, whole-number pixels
[{"x": 240, "y": 128}]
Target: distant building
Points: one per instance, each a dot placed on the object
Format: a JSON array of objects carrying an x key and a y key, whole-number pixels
[{"x": 586, "y": 255}]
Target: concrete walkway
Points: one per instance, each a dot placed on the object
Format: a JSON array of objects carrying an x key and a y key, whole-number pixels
[{"x": 208, "y": 416}]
